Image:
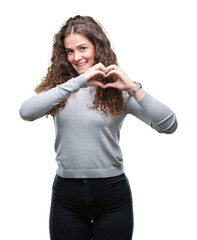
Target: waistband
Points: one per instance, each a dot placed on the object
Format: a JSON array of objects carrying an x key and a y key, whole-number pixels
[{"x": 114, "y": 178}]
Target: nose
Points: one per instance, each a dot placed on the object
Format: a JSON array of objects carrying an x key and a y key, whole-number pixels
[{"x": 77, "y": 56}]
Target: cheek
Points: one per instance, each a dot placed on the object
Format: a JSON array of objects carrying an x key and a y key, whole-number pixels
[
  {"x": 90, "y": 54},
  {"x": 69, "y": 58},
  {"x": 91, "y": 57}
]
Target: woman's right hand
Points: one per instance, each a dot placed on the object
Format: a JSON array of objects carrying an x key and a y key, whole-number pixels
[{"x": 89, "y": 75}]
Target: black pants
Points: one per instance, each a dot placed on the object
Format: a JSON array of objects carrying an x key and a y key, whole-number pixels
[{"x": 85, "y": 209}]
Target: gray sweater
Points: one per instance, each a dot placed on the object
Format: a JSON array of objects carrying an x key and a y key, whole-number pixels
[{"x": 87, "y": 142}]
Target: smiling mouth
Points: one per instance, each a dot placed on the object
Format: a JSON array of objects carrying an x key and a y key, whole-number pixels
[{"x": 80, "y": 64}]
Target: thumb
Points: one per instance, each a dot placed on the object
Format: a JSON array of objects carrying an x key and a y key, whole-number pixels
[
  {"x": 96, "y": 83},
  {"x": 110, "y": 85}
]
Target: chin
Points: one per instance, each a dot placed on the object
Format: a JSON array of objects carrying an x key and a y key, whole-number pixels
[{"x": 82, "y": 71}]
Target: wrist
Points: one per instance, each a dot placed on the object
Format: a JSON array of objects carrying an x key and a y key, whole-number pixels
[
  {"x": 131, "y": 87},
  {"x": 132, "y": 91},
  {"x": 139, "y": 94},
  {"x": 85, "y": 76}
]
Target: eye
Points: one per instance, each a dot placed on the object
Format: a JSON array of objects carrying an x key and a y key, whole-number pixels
[
  {"x": 69, "y": 51},
  {"x": 82, "y": 48}
]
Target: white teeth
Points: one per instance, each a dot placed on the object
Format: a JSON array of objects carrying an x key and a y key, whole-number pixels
[{"x": 80, "y": 65}]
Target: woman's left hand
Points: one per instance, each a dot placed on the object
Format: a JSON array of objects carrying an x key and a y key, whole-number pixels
[{"x": 123, "y": 82}]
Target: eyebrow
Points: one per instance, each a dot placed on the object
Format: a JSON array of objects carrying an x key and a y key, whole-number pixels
[{"x": 79, "y": 45}]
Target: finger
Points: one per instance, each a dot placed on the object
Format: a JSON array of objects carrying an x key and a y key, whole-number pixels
[
  {"x": 110, "y": 68},
  {"x": 113, "y": 85},
  {"x": 99, "y": 84},
  {"x": 96, "y": 83},
  {"x": 99, "y": 66},
  {"x": 102, "y": 67},
  {"x": 99, "y": 72},
  {"x": 112, "y": 72}
]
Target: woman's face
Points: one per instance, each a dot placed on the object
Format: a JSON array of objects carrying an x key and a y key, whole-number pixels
[{"x": 80, "y": 52}]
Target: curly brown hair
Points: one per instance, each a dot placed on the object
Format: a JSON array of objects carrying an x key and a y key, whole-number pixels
[{"x": 109, "y": 100}]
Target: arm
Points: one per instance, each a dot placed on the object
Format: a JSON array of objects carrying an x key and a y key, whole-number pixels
[
  {"x": 143, "y": 105},
  {"x": 154, "y": 113},
  {"x": 38, "y": 105}
]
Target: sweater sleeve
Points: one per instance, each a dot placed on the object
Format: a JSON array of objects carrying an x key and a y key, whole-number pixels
[
  {"x": 154, "y": 113},
  {"x": 38, "y": 105}
]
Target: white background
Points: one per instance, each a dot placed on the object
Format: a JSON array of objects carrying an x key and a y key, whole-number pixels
[{"x": 156, "y": 44}]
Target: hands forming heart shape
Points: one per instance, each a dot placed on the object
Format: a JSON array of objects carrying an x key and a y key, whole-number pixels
[{"x": 123, "y": 82}]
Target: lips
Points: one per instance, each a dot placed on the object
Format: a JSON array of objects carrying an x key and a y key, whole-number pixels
[{"x": 78, "y": 65}]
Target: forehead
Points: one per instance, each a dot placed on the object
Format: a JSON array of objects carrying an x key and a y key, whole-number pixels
[{"x": 74, "y": 40}]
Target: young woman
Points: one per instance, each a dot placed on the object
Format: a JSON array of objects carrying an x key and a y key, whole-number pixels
[{"x": 89, "y": 96}]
